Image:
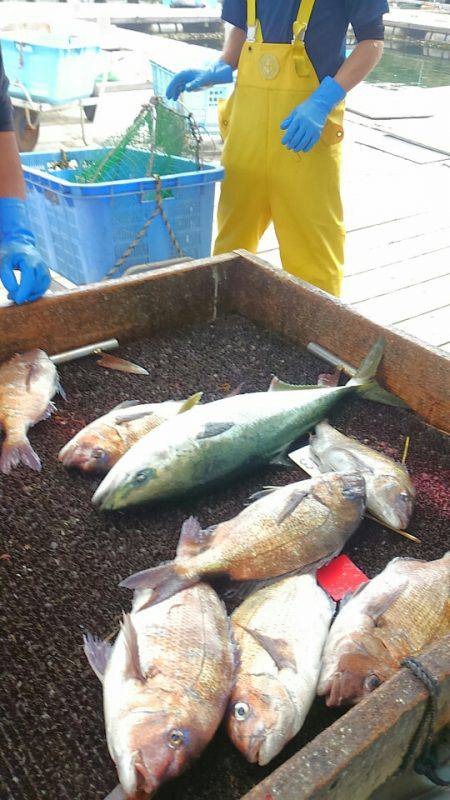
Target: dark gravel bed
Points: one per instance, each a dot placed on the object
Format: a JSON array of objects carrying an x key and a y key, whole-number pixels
[{"x": 61, "y": 560}]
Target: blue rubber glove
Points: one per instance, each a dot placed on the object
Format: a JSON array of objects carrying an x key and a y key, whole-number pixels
[
  {"x": 190, "y": 80},
  {"x": 18, "y": 252},
  {"x": 305, "y": 123}
]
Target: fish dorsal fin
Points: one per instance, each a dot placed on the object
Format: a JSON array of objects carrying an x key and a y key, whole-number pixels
[
  {"x": 190, "y": 402},
  {"x": 278, "y": 649},
  {"x": 379, "y": 605},
  {"x": 193, "y": 539},
  {"x": 131, "y": 644},
  {"x": 129, "y": 415},
  {"x": 126, "y": 404},
  {"x": 281, "y": 386},
  {"x": 292, "y": 502},
  {"x": 212, "y": 429},
  {"x": 97, "y": 653}
]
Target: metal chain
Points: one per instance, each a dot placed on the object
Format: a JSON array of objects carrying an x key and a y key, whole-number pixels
[
  {"x": 418, "y": 754},
  {"x": 158, "y": 210}
]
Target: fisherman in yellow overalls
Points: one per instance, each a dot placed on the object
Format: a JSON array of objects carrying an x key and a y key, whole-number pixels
[{"x": 283, "y": 124}]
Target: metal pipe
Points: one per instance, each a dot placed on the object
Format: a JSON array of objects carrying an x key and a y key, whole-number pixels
[
  {"x": 87, "y": 350},
  {"x": 319, "y": 351}
]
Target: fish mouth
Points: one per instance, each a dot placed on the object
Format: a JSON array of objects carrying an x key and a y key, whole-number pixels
[{"x": 103, "y": 498}]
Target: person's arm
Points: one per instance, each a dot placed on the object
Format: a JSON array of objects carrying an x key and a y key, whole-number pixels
[
  {"x": 359, "y": 64},
  {"x": 18, "y": 253},
  {"x": 190, "y": 80},
  {"x": 12, "y": 183},
  {"x": 305, "y": 124},
  {"x": 233, "y": 46}
]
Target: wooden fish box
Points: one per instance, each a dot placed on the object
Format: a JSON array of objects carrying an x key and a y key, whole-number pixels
[{"x": 356, "y": 754}]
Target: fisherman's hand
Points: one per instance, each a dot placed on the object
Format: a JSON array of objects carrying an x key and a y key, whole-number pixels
[
  {"x": 305, "y": 123},
  {"x": 18, "y": 252},
  {"x": 189, "y": 80}
]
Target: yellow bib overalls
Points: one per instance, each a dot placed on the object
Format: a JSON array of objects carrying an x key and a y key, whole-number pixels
[{"x": 264, "y": 181}]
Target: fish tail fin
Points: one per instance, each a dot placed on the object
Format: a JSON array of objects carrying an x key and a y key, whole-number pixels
[
  {"x": 369, "y": 366},
  {"x": 364, "y": 379},
  {"x": 165, "y": 581},
  {"x": 18, "y": 451}
]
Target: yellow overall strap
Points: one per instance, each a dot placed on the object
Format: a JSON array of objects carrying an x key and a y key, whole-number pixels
[
  {"x": 253, "y": 27},
  {"x": 302, "y": 21}
]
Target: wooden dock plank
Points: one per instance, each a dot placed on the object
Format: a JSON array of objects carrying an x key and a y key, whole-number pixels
[
  {"x": 399, "y": 275},
  {"x": 433, "y": 327},
  {"x": 362, "y": 260},
  {"x": 407, "y": 303},
  {"x": 398, "y": 230}
]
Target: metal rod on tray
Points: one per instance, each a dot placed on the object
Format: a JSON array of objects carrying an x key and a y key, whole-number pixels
[
  {"x": 333, "y": 360},
  {"x": 87, "y": 350}
]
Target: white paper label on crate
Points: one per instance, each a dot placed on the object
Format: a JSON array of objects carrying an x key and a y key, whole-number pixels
[{"x": 302, "y": 457}]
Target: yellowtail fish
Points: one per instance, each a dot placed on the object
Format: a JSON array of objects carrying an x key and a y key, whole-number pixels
[
  {"x": 395, "y": 615},
  {"x": 166, "y": 682},
  {"x": 236, "y": 434},
  {"x": 27, "y": 384}
]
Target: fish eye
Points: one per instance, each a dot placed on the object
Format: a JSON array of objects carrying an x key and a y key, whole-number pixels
[
  {"x": 99, "y": 454},
  {"x": 140, "y": 476},
  {"x": 176, "y": 739},
  {"x": 372, "y": 682},
  {"x": 241, "y": 711}
]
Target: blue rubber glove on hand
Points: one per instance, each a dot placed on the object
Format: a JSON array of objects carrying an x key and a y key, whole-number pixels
[
  {"x": 305, "y": 123},
  {"x": 18, "y": 252},
  {"x": 190, "y": 80}
]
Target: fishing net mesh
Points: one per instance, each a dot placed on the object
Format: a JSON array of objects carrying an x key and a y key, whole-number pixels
[{"x": 151, "y": 146}]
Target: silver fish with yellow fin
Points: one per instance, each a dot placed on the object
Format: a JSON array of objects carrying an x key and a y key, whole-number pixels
[
  {"x": 390, "y": 492},
  {"x": 220, "y": 439}
]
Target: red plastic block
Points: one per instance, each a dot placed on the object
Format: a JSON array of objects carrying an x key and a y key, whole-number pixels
[{"x": 340, "y": 577}]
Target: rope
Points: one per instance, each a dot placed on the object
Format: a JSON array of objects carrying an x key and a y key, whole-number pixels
[
  {"x": 158, "y": 210},
  {"x": 418, "y": 755}
]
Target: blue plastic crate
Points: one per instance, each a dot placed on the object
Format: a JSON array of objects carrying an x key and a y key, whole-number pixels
[
  {"x": 202, "y": 104},
  {"x": 83, "y": 229},
  {"x": 52, "y": 69}
]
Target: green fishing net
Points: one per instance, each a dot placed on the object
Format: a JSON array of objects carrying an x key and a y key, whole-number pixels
[{"x": 158, "y": 142}]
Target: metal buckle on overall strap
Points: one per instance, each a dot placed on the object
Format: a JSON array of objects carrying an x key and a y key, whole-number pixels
[
  {"x": 251, "y": 33},
  {"x": 299, "y": 32}
]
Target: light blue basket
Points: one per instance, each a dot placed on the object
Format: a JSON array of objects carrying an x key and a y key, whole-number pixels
[
  {"x": 203, "y": 104},
  {"x": 83, "y": 229},
  {"x": 52, "y": 69}
]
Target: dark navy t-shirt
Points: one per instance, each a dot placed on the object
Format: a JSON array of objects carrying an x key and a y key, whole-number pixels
[
  {"x": 326, "y": 35},
  {"x": 6, "y": 123}
]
